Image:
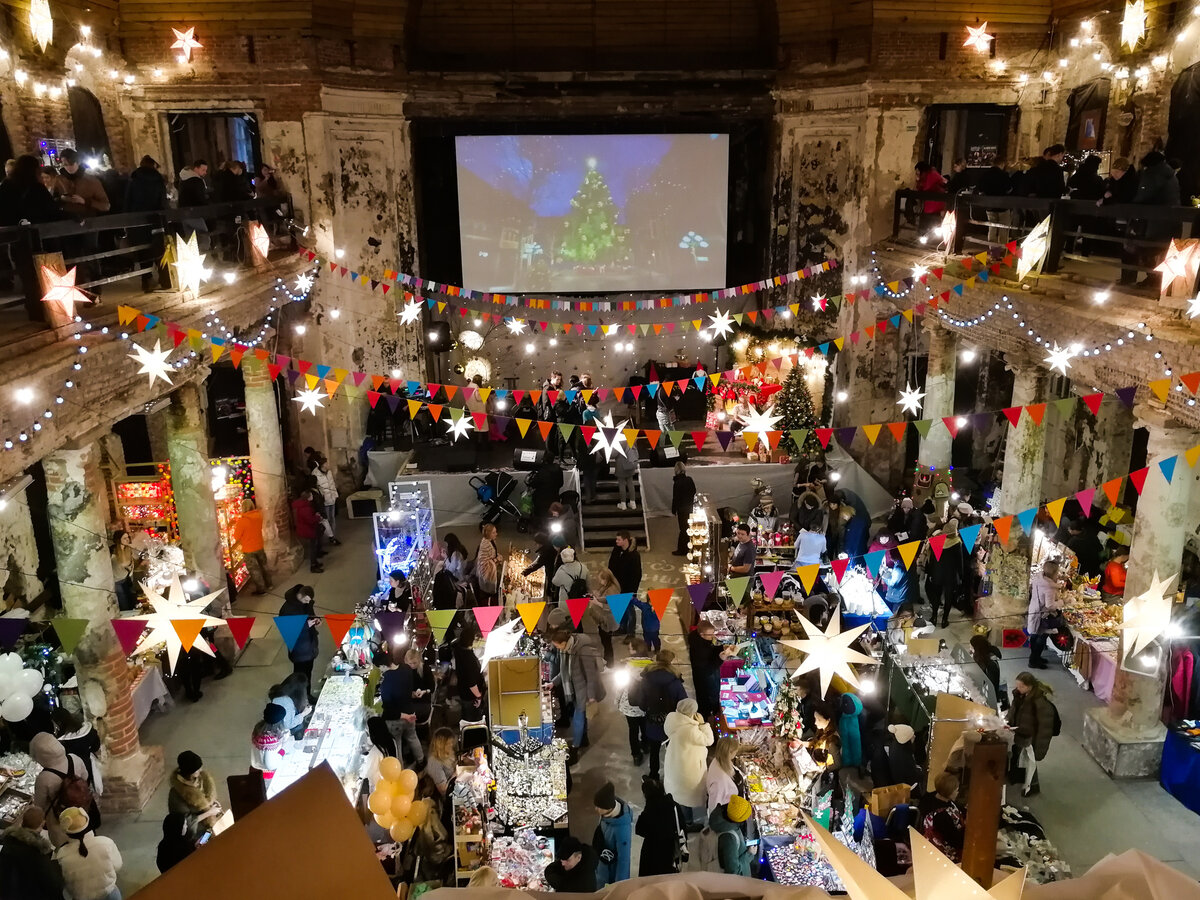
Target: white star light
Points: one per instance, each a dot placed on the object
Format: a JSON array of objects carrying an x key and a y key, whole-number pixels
[
  {"x": 189, "y": 264},
  {"x": 978, "y": 38},
  {"x": 310, "y": 399},
  {"x": 1133, "y": 26},
  {"x": 304, "y": 283},
  {"x": 61, "y": 289},
  {"x": 185, "y": 42},
  {"x": 1194, "y": 307},
  {"x": 41, "y": 23},
  {"x": 1033, "y": 248},
  {"x": 819, "y": 302},
  {"x": 1059, "y": 358},
  {"x": 410, "y": 313},
  {"x": 760, "y": 422},
  {"x": 175, "y": 605},
  {"x": 153, "y": 362},
  {"x": 602, "y": 442},
  {"x": 1147, "y": 615},
  {"x": 910, "y": 399},
  {"x": 515, "y": 326},
  {"x": 460, "y": 426},
  {"x": 722, "y": 324},
  {"x": 829, "y": 651}
]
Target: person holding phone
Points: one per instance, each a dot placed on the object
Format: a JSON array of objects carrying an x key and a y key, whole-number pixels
[
  {"x": 300, "y": 600},
  {"x": 399, "y": 694}
]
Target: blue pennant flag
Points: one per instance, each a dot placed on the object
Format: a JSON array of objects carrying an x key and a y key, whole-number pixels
[
  {"x": 322, "y": 371},
  {"x": 413, "y": 387},
  {"x": 652, "y": 387},
  {"x": 894, "y": 321},
  {"x": 958, "y": 289},
  {"x": 619, "y": 603},
  {"x": 1025, "y": 518},
  {"x": 824, "y": 348},
  {"x": 429, "y": 301},
  {"x": 969, "y": 536},
  {"x": 699, "y": 379},
  {"x": 290, "y": 628},
  {"x": 873, "y": 561},
  {"x": 1167, "y": 467}
]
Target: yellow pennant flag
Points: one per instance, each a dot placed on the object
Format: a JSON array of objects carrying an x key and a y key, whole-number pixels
[
  {"x": 871, "y": 431},
  {"x": 340, "y": 374},
  {"x": 414, "y": 407},
  {"x": 530, "y": 613},
  {"x": 808, "y": 576},
  {"x": 908, "y": 314},
  {"x": 1055, "y": 508},
  {"x": 1192, "y": 454},
  {"x": 587, "y": 395},
  {"x": 523, "y": 425},
  {"x": 751, "y": 438},
  {"x": 696, "y": 323},
  {"x": 908, "y": 552},
  {"x": 714, "y": 378},
  {"x": 839, "y": 342},
  {"x": 311, "y": 381},
  {"x": 631, "y": 436},
  {"x": 483, "y": 393},
  {"x": 1160, "y": 388},
  {"x": 217, "y": 350}
]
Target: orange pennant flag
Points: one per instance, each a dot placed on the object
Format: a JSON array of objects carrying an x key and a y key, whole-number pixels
[
  {"x": 1037, "y": 411},
  {"x": 1003, "y": 526},
  {"x": 897, "y": 429},
  {"x": 652, "y": 437},
  {"x": 659, "y": 598},
  {"x": 187, "y": 630},
  {"x": 435, "y": 410},
  {"x": 1112, "y": 490},
  {"x": 544, "y": 428}
]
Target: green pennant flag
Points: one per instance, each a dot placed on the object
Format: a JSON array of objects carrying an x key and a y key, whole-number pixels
[
  {"x": 737, "y": 589},
  {"x": 923, "y": 426},
  {"x": 676, "y": 437},
  {"x": 439, "y": 620},
  {"x": 644, "y": 329},
  {"x": 566, "y": 428},
  {"x": 456, "y": 413},
  {"x": 799, "y": 436},
  {"x": 738, "y": 318},
  {"x": 69, "y": 631},
  {"x": 1065, "y": 406}
]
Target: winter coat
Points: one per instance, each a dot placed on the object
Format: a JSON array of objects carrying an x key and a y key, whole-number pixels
[
  {"x": 579, "y": 880},
  {"x": 193, "y": 190},
  {"x": 191, "y": 799},
  {"x": 326, "y": 485},
  {"x": 27, "y": 202},
  {"x": 1086, "y": 183},
  {"x": 292, "y": 718},
  {"x": 85, "y": 185},
  {"x": 1121, "y": 190},
  {"x": 719, "y": 785},
  {"x": 487, "y": 570},
  {"x": 732, "y": 852},
  {"x": 307, "y": 522},
  {"x": 229, "y": 187},
  {"x": 396, "y": 692},
  {"x": 1158, "y": 186},
  {"x": 658, "y": 827},
  {"x": 624, "y": 466},
  {"x": 893, "y": 763},
  {"x": 309, "y": 640},
  {"x": 685, "y": 762},
  {"x": 931, "y": 182},
  {"x": 658, "y": 692},
  {"x": 683, "y": 494},
  {"x": 49, "y": 752},
  {"x": 650, "y": 621},
  {"x": 994, "y": 182},
  {"x": 91, "y": 877},
  {"x": 579, "y": 669},
  {"x": 1043, "y": 599},
  {"x": 626, "y": 566},
  {"x": 849, "y": 733},
  {"x": 1032, "y": 715},
  {"x": 568, "y": 574},
  {"x": 266, "y": 747},
  {"x": 146, "y": 190},
  {"x": 1045, "y": 180},
  {"x": 614, "y": 833},
  {"x": 26, "y": 868}
]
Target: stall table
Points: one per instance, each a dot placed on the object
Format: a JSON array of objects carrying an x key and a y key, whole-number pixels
[
  {"x": 148, "y": 690},
  {"x": 1180, "y": 773},
  {"x": 1096, "y": 662},
  {"x": 334, "y": 735}
]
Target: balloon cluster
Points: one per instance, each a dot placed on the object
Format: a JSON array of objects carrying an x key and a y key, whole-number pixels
[
  {"x": 392, "y": 800},
  {"x": 18, "y": 687}
]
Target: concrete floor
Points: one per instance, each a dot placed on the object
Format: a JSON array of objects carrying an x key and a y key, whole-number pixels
[{"x": 1086, "y": 814}]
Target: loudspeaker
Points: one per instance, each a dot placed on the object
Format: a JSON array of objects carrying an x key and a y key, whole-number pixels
[
  {"x": 437, "y": 456},
  {"x": 439, "y": 337},
  {"x": 525, "y": 460}
]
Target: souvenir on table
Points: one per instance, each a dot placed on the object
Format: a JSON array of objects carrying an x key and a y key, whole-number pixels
[{"x": 521, "y": 860}]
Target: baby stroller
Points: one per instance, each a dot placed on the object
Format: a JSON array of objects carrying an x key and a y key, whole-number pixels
[{"x": 494, "y": 491}]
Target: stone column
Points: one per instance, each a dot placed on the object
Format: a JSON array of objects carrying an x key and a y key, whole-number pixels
[
  {"x": 77, "y": 509},
  {"x": 1126, "y": 737},
  {"x": 939, "y": 394},
  {"x": 267, "y": 464}
]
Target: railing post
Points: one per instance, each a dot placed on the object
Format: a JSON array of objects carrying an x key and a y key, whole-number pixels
[
  {"x": 896, "y": 212},
  {"x": 27, "y": 272},
  {"x": 1058, "y": 236},
  {"x": 962, "y": 218}
]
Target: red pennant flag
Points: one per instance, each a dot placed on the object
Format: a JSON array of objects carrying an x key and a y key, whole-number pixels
[
  {"x": 951, "y": 423},
  {"x": 1138, "y": 479},
  {"x": 839, "y": 568},
  {"x": 240, "y": 627},
  {"x": 339, "y": 624},
  {"x": 936, "y": 544},
  {"x": 588, "y": 431},
  {"x": 897, "y": 429},
  {"x": 698, "y": 437},
  {"x": 128, "y": 631},
  {"x": 1191, "y": 381},
  {"x": 1093, "y": 402},
  {"x": 1013, "y": 414},
  {"x": 1003, "y": 526},
  {"x": 373, "y": 398},
  {"x": 1112, "y": 490},
  {"x": 273, "y": 370},
  {"x": 576, "y": 606},
  {"x": 823, "y": 435}
]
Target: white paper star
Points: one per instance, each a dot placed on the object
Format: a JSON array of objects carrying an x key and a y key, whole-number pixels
[
  {"x": 820, "y": 301},
  {"x": 1194, "y": 307},
  {"x": 410, "y": 313},
  {"x": 1059, "y": 358},
  {"x": 459, "y": 427},
  {"x": 609, "y": 437},
  {"x": 515, "y": 326},
  {"x": 829, "y": 651},
  {"x": 1033, "y": 248},
  {"x": 1133, "y": 25},
  {"x": 1147, "y": 615},
  {"x": 41, "y": 23},
  {"x": 62, "y": 290},
  {"x": 304, "y": 283},
  {"x": 189, "y": 264},
  {"x": 259, "y": 239},
  {"x": 978, "y": 38},
  {"x": 910, "y": 399},
  {"x": 721, "y": 324},
  {"x": 176, "y": 606},
  {"x": 185, "y": 42},
  {"x": 760, "y": 422},
  {"x": 310, "y": 399},
  {"x": 153, "y": 362},
  {"x": 1180, "y": 262}
]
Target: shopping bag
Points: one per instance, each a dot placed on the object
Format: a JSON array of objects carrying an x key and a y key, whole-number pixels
[
  {"x": 1028, "y": 763},
  {"x": 884, "y": 798}
]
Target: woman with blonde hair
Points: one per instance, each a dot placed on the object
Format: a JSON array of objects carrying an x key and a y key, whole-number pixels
[
  {"x": 720, "y": 779},
  {"x": 442, "y": 759}
]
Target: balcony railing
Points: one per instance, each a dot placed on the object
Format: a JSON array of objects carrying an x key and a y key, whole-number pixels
[{"x": 1085, "y": 239}]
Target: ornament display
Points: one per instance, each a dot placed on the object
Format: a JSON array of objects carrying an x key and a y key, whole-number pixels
[
  {"x": 410, "y": 313},
  {"x": 910, "y": 399},
  {"x": 760, "y": 423},
  {"x": 531, "y": 781},
  {"x": 459, "y": 427},
  {"x": 1059, "y": 359},
  {"x": 1133, "y": 23},
  {"x": 609, "y": 437},
  {"x": 1033, "y": 248},
  {"x": 259, "y": 239},
  {"x": 721, "y": 324}
]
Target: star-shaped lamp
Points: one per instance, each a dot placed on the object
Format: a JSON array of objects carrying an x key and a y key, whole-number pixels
[
  {"x": 1133, "y": 25},
  {"x": 760, "y": 422},
  {"x": 304, "y": 283},
  {"x": 910, "y": 399},
  {"x": 259, "y": 239},
  {"x": 460, "y": 427},
  {"x": 1147, "y": 616},
  {"x": 515, "y": 326},
  {"x": 978, "y": 38},
  {"x": 185, "y": 42},
  {"x": 1193, "y": 309},
  {"x": 829, "y": 651},
  {"x": 153, "y": 362},
  {"x": 1180, "y": 262},
  {"x": 310, "y": 399},
  {"x": 721, "y": 325},
  {"x": 819, "y": 301},
  {"x": 609, "y": 437},
  {"x": 410, "y": 313},
  {"x": 1059, "y": 358},
  {"x": 41, "y": 23},
  {"x": 935, "y": 875},
  {"x": 61, "y": 289},
  {"x": 189, "y": 263},
  {"x": 177, "y": 608},
  {"x": 1033, "y": 248}
]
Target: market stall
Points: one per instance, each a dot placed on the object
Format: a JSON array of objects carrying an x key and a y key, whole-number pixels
[
  {"x": 404, "y": 533},
  {"x": 334, "y": 735}
]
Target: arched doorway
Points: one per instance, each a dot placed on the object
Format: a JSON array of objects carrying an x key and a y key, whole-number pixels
[
  {"x": 87, "y": 118},
  {"x": 1183, "y": 130}
]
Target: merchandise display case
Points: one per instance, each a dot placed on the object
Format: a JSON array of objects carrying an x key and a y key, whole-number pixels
[
  {"x": 517, "y": 588},
  {"x": 531, "y": 782},
  {"x": 703, "y": 540},
  {"x": 520, "y": 861},
  {"x": 405, "y": 532},
  {"x": 747, "y": 692},
  {"x": 146, "y": 504},
  {"x": 334, "y": 735}
]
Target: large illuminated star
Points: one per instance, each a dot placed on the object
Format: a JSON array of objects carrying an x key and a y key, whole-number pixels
[
  {"x": 1193, "y": 309},
  {"x": 185, "y": 42},
  {"x": 759, "y": 422},
  {"x": 61, "y": 289},
  {"x": 189, "y": 263},
  {"x": 153, "y": 362},
  {"x": 936, "y": 876},
  {"x": 175, "y": 607},
  {"x": 609, "y": 437},
  {"x": 310, "y": 399},
  {"x": 1033, "y": 248},
  {"x": 721, "y": 324},
  {"x": 41, "y": 23},
  {"x": 1147, "y": 615},
  {"x": 829, "y": 651},
  {"x": 819, "y": 302},
  {"x": 411, "y": 312},
  {"x": 910, "y": 399},
  {"x": 460, "y": 427},
  {"x": 259, "y": 239},
  {"x": 978, "y": 38},
  {"x": 1133, "y": 25},
  {"x": 1180, "y": 262},
  {"x": 515, "y": 326},
  {"x": 304, "y": 283},
  {"x": 1059, "y": 358}
]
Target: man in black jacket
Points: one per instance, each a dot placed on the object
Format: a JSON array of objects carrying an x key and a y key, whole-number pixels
[
  {"x": 396, "y": 694},
  {"x": 574, "y": 868},
  {"x": 1046, "y": 178},
  {"x": 683, "y": 496},
  {"x": 626, "y": 565}
]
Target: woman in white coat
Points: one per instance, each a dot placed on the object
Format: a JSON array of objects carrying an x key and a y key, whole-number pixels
[{"x": 685, "y": 762}]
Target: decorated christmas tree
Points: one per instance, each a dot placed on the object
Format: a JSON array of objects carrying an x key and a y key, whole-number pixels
[
  {"x": 590, "y": 232},
  {"x": 795, "y": 404},
  {"x": 786, "y": 716}
]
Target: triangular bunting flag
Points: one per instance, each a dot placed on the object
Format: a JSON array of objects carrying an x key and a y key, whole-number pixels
[
  {"x": 486, "y": 616},
  {"x": 873, "y": 561},
  {"x": 128, "y": 631},
  {"x": 1191, "y": 455},
  {"x": 239, "y": 627},
  {"x": 1003, "y": 527},
  {"x": 1112, "y": 490},
  {"x": 698, "y": 438},
  {"x": 1085, "y": 500},
  {"x": 619, "y": 604},
  {"x": 770, "y": 582},
  {"x": 839, "y": 567},
  {"x": 1138, "y": 479},
  {"x": 439, "y": 620},
  {"x": 898, "y": 429},
  {"x": 338, "y": 625},
  {"x": 1037, "y": 412},
  {"x": 523, "y": 425},
  {"x": 936, "y": 544},
  {"x": 577, "y": 606},
  {"x": 1159, "y": 387},
  {"x": 530, "y": 613},
  {"x": 699, "y": 594},
  {"x": 1092, "y": 402},
  {"x": 187, "y": 630},
  {"x": 808, "y": 576},
  {"x": 1125, "y": 395},
  {"x": 969, "y": 536},
  {"x": 1055, "y": 508},
  {"x": 1013, "y": 414},
  {"x": 1025, "y": 520},
  {"x": 69, "y": 631},
  {"x": 872, "y": 432},
  {"x": 1167, "y": 467},
  {"x": 908, "y": 552},
  {"x": 290, "y": 628},
  {"x": 660, "y": 597}
]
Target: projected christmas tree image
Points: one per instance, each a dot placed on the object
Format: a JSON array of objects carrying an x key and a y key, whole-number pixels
[
  {"x": 795, "y": 403},
  {"x": 590, "y": 232}
]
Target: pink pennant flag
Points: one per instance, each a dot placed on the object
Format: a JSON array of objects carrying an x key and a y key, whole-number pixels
[
  {"x": 1085, "y": 500},
  {"x": 770, "y": 582},
  {"x": 486, "y": 616}
]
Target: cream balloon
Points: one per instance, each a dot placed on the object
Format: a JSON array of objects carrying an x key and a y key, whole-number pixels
[
  {"x": 390, "y": 768},
  {"x": 16, "y": 708},
  {"x": 407, "y": 781},
  {"x": 29, "y": 682},
  {"x": 402, "y": 831}
]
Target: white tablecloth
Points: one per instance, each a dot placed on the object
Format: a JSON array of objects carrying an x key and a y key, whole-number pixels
[{"x": 147, "y": 690}]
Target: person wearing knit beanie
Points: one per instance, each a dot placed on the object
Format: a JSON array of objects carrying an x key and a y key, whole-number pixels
[
  {"x": 614, "y": 836},
  {"x": 738, "y": 809},
  {"x": 606, "y": 797}
]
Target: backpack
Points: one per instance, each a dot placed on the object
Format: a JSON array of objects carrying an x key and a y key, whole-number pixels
[
  {"x": 74, "y": 790},
  {"x": 579, "y": 585},
  {"x": 1057, "y": 720}
]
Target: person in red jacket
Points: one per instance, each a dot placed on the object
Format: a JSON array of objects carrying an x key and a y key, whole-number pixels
[
  {"x": 309, "y": 528},
  {"x": 929, "y": 179}
]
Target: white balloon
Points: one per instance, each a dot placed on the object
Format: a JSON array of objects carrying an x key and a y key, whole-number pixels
[
  {"x": 29, "y": 682},
  {"x": 16, "y": 708},
  {"x": 11, "y": 662},
  {"x": 8, "y": 685}
]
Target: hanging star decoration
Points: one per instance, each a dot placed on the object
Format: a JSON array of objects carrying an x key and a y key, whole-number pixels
[
  {"x": 41, "y": 23},
  {"x": 304, "y": 283},
  {"x": 153, "y": 362},
  {"x": 1033, "y": 248},
  {"x": 61, "y": 289},
  {"x": 515, "y": 326},
  {"x": 1180, "y": 262},
  {"x": 1193, "y": 309},
  {"x": 978, "y": 38},
  {"x": 1059, "y": 358},
  {"x": 609, "y": 437},
  {"x": 410, "y": 313},
  {"x": 259, "y": 239},
  {"x": 721, "y": 324},
  {"x": 176, "y": 607},
  {"x": 310, "y": 399},
  {"x": 759, "y": 422},
  {"x": 460, "y": 427},
  {"x": 819, "y": 301},
  {"x": 829, "y": 651},
  {"x": 1133, "y": 25},
  {"x": 1147, "y": 615},
  {"x": 936, "y": 877},
  {"x": 185, "y": 42},
  {"x": 189, "y": 263},
  {"x": 910, "y": 399}
]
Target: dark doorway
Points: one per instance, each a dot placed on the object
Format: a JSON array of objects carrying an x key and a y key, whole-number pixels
[
  {"x": 1183, "y": 130},
  {"x": 976, "y": 132},
  {"x": 216, "y": 138},
  {"x": 87, "y": 118},
  {"x": 227, "y": 412},
  {"x": 1089, "y": 110},
  {"x": 6, "y": 147}
]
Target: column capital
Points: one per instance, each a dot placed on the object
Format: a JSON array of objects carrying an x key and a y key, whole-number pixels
[
  {"x": 1024, "y": 362},
  {"x": 1167, "y": 435}
]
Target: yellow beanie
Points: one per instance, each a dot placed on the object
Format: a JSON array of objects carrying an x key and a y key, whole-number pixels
[{"x": 739, "y": 809}]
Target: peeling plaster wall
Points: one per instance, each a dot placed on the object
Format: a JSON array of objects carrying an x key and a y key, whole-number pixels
[{"x": 18, "y": 554}]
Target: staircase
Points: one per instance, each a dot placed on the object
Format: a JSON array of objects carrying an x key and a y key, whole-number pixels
[{"x": 601, "y": 520}]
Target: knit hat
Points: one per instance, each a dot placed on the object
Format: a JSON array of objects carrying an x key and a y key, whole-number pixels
[
  {"x": 739, "y": 809},
  {"x": 273, "y": 714},
  {"x": 74, "y": 820},
  {"x": 687, "y": 707},
  {"x": 950, "y": 529},
  {"x": 189, "y": 763},
  {"x": 606, "y": 797},
  {"x": 902, "y": 733},
  {"x": 565, "y": 846},
  {"x": 568, "y": 555}
]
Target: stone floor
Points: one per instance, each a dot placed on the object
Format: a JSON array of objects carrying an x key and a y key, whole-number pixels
[{"x": 1085, "y": 813}]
